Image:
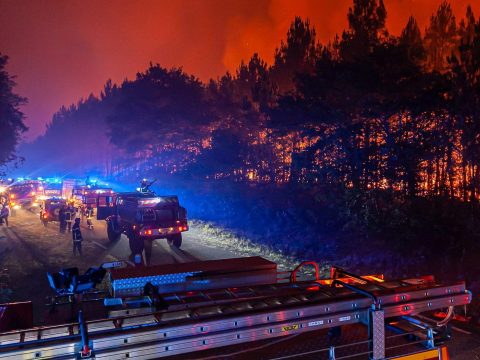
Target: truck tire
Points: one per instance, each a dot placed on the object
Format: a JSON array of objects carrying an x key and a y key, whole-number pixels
[
  {"x": 113, "y": 236},
  {"x": 175, "y": 240},
  {"x": 136, "y": 243}
]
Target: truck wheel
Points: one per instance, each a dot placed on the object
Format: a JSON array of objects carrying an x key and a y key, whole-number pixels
[
  {"x": 175, "y": 240},
  {"x": 113, "y": 235},
  {"x": 136, "y": 244}
]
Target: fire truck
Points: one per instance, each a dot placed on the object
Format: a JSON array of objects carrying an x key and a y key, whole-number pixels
[
  {"x": 23, "y": 193},
  {"x": 87, "y": 194},
  {"x": 143, "y": 217},
  {"x": 236, "y": 309},
  {"x": 50, "y": 209}
]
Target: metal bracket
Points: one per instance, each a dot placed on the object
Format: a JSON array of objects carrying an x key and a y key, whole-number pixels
[{"x": 376, "y": 334}]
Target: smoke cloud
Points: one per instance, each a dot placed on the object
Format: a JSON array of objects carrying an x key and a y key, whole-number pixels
[{"x": 61, "y": 51}]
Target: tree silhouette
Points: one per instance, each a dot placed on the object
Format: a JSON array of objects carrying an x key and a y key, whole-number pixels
[
  {"x": 295, "y": 56},
  {"x": 366, "y": 21},
  {"x": 441, "y": 38},
  {"x": 160, "y": 106},
  {"x": 411, "y": 39},
  {"x": 11, "y": 118}
]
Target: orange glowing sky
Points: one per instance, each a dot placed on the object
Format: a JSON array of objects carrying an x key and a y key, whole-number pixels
[{"x": 62, "y": 50}]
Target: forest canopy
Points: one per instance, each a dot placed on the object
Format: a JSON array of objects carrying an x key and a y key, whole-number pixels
[{"x": 368, "y": 110}]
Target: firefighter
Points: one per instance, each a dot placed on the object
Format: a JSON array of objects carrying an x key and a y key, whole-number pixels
[
  {"x": 89, "y": 215},
  {"x": 78, "y": 213},
  {"x": 69, "y": 211},
  {"x": 77, "y": 237},
  {"x": 61, "y": 219},
  {"x": 43, "y": 215},
  {"x": 4, "y": 214},
  {"x": 145, "y": 185}
]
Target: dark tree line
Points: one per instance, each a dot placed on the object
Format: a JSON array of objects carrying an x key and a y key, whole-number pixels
[
  {"x": 11, "y": 118},
  {"x": 368, "y": 110}
]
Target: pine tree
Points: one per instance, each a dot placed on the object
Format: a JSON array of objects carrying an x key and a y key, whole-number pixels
[
  {"x": 295, "y": 56},
  {"x": 411, "y": 40},
  {"x": 366, "y": 21},
  {"x": 11, "y": 118},
  {"x": 441, "y": 38}
]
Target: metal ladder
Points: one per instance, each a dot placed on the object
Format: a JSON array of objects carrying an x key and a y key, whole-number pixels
[{"x": 249, "y": 314}]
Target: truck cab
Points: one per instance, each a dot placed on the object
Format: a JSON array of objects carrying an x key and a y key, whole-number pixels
[
  {"x": 143, "y": 217},
  {"x": 24, "y": 193}
]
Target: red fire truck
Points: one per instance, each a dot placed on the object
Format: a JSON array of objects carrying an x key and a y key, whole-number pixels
[
  {"x": 23, "y": 193},
  {"x": 86, "y": 195}
]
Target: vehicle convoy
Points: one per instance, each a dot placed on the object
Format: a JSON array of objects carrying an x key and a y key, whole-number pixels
[
  {"x": 236, "y": 309},
  {"x": 143, "y": 216}
]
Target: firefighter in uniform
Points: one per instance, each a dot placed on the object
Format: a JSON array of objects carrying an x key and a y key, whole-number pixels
[
  {"x": 145, "y": 185},
  {"x": 78, "y": 213},
  {"x": 69, "y": 217},
  {"x": 89, "y": 215},
  {"x": 77, "y": 237},
  {"x": 61, "y": 219},
  {"x": 4, "y": 214}
]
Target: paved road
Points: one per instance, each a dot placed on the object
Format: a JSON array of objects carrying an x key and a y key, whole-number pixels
[
  {"x": 26, "y": 228},
  {"x": 28, "y": 250}
]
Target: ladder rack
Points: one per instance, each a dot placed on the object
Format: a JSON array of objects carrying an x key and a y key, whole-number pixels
[{"x": 214, "y": 318}]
